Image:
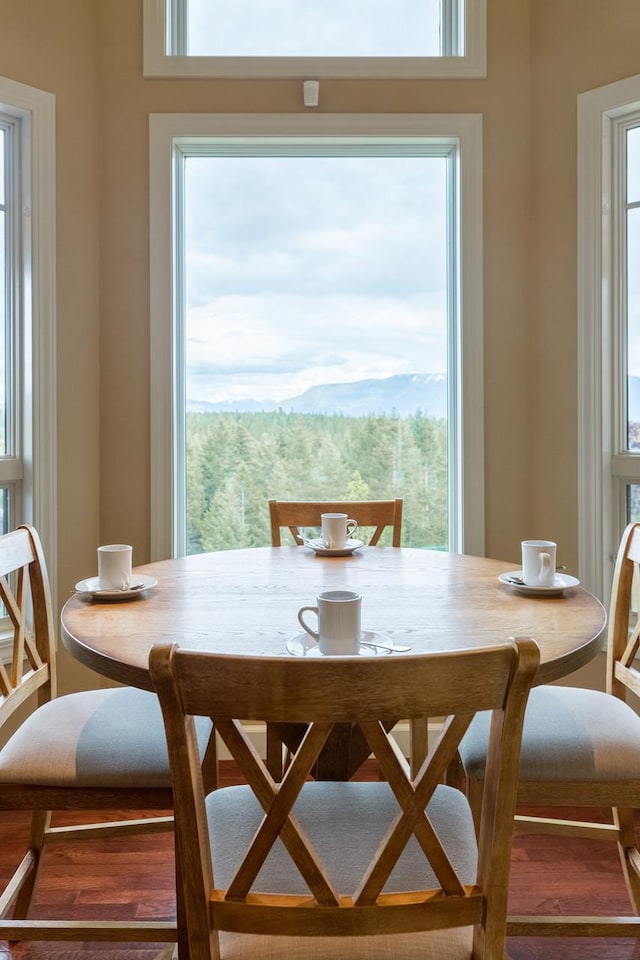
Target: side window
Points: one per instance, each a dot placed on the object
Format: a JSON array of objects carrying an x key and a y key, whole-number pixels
[
  {"x": 244, "y": 38},
  {"x": 609, "y": 324},
  {"x": 27, "y": 312}
]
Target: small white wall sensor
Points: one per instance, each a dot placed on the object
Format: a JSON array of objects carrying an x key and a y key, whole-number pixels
[{"x": 311, "y": 92}]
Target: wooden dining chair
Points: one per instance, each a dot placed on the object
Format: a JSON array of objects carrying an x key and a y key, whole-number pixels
[
  {"x": 97, "y": 750},
  {"x": 581, "y": 749},
  {"x": 300, "y": 514},
  {"x": 297, "y": 514},
  {"x": 312, "y": 869}
]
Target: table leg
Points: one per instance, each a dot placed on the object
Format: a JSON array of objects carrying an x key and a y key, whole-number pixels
[
  {"x": 419, "y": 743},
  {"x": 342, "y": 756}
]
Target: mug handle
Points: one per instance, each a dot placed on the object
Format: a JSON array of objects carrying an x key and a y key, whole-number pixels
[
  {"x": 312, "y": 633},
  {"x": 545, "y": 565},
  {"x": 352, "y": 526}
]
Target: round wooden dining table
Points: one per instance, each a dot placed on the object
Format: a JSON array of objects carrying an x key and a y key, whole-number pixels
[{"x": 245, "y": 602}]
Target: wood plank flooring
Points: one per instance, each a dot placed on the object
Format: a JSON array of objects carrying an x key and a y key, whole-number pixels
[{"x": 133, "y": 878}]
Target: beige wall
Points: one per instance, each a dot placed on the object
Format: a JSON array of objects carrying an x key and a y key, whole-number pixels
[{"x": 541, "y": 54}]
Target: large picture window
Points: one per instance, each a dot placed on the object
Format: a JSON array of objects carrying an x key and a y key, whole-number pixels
[
  {"x": 316, "y": 335},
  {"x": 316, "y": 323},
  {"x": 294, "y": 38}
]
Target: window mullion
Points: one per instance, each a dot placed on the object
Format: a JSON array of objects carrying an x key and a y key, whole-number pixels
[
  {"x": 178, "y": 27},
  {"x": 626, "y": 466},
  {"x": 11, "y": 464},
  {"x": 454, "y": 354},
  {"x": 451, "y": 33},
  {"x": 12, "y": 333},
  {"x": 179, "y": 390},
  {"x": 619, "y": 328}
]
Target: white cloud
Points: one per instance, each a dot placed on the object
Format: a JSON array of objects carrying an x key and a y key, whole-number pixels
[
  {"x": 312, "y": 270},
  {"x": 275, "y": 347}
]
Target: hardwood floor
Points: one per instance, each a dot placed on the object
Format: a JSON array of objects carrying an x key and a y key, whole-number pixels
[
  {"x": 553, "y": 875},
  {"x": 133, "y": 878}
]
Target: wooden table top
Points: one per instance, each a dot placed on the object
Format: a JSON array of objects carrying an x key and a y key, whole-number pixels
[{"x": 245, "y": 602}]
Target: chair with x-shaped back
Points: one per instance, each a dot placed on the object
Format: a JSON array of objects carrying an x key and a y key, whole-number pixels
[
  {"x": 314, "y": 869},
  {"x": 581, "y": 749},
  {"x": 99, "y": 750}
]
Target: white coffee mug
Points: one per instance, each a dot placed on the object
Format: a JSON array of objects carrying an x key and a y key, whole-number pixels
[
  {"x": 538, "y": 563},
  {"x": 339, "y": 626},
  {"x": 336, "y": 530},
  {"x": 114, "y": 566}
]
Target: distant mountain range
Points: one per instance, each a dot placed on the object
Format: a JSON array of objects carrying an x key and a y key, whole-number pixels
[{"x": 403, "y": 394}]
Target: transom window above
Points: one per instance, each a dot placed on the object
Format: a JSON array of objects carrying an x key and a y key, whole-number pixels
[
  {"x": 334, "y": 38},
  {"x": 369, "y": 28}
]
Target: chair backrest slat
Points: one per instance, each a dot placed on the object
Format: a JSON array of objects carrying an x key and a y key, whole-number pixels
[
  {"x": 297, "y": 514},
  {"x": 345, "y": 689}
]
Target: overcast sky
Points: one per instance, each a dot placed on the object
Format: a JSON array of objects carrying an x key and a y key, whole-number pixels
[
  {"x": 312, "y": 270},
  {"x": 314, "y": 28}
]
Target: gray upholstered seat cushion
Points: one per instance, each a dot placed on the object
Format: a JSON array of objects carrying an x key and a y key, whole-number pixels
[
  {"x": 346, "y": 822},
  {"x": 104, "y": 738},
  {"x": 570, "y": 734},
  {"x": 354, "y": 816}
]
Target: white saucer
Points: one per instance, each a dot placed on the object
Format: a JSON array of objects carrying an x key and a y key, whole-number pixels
[
  {"x": 302, "y": 645},
  {"x": 322, "y": 551},
  {"x": 137, "y": 585},
  {"x": 562, "y": 582}
]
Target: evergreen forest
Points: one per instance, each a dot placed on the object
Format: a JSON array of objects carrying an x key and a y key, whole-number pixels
[{"x": 237, "y": 461}]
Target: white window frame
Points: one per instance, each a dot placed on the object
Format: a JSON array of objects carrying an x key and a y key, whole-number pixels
[
  {"x": 35, "y": 311},
  {"x": 466, "y": 447},
  {"x": 470, "y": 22},
  {"x": 604, "y": 466}
]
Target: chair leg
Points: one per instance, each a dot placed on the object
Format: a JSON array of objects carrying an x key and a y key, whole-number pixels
[
  {"x": 629, "y": 855},
  {"x": 475, "y": 789},
  {"x": 206, "y": 945},
  {"x": 40, "y": 823}
]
